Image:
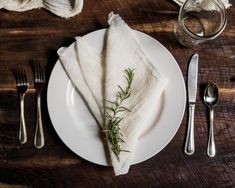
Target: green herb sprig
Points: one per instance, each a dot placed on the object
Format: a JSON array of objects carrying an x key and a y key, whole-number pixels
[{"x": 113, "y": 116}]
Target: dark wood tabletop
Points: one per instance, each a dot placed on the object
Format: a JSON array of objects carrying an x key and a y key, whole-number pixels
[{"x": 38, "y": 34}]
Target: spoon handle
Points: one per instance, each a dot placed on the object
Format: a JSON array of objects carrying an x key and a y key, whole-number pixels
[
  {"x": 189, "y": 143},
  {"x": 211, "y": 151}
]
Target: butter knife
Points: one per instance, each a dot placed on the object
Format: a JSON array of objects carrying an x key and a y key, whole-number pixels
[{"x": 192, "y": 92}]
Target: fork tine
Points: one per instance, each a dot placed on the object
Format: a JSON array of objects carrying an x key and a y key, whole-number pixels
[
  {"x": 43, "y": 74},
  {"x": 23, "y": 76},
  {"x": 20, "y": 76},
  {"x": 35, "y": 69},
  {"x": 40, "y": 71},
  {"x": 37, "y": 73},
  {"x": 16, "y": 73}
]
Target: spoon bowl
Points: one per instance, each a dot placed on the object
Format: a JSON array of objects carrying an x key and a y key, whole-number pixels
[{"x": 211, "y": 97}]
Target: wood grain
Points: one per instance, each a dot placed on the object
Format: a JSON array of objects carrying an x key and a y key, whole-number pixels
[{"x": 38, "y": 34}]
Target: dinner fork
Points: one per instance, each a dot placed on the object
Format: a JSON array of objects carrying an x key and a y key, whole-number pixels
[
  {"x": 22, "y": 88},
  {"x": 39, "y": 81}
]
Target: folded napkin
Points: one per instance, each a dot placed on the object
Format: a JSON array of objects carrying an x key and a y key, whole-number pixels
[
  {"x": 226, "y": 3},
  {"x": 62, "y": 8},
  {"x": 98, "y": 77}
]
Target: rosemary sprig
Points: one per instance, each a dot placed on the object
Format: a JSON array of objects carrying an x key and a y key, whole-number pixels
[{"x": 112, "y": 114}]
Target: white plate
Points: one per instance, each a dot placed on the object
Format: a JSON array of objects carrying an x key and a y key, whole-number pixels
[{"x": 79, "y": 131}]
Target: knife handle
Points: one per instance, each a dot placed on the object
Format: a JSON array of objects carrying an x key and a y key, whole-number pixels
[{"x": 189, "y": 143}]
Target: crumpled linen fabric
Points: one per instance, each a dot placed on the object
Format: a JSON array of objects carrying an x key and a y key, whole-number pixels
[
  {"x": 97, "y": 76},
  {"x": 61, "y": 8}
]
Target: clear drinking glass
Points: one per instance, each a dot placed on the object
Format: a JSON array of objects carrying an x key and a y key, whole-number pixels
[{"x": 200, "y": 21}]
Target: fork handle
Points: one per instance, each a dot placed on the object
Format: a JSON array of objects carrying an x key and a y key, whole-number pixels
[
  {"x": 22, "y": 131},
  {"x": 39, "y": 135}
]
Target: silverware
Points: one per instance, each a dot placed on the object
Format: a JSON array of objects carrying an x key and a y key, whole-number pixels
[
  {"x": 192, "y": 92},
  {"x": 22, "y": 88},
  {"x": 211, "y": 97},
  {"x": 39, "y": 82}
]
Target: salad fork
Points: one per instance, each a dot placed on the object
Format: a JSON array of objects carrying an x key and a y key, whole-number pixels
[
  {"x": 39, "y": 82},
  {"x": 22, "y": 88}
]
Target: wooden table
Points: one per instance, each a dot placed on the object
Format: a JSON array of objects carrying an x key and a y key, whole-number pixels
[{"x": 38, "y": 33}]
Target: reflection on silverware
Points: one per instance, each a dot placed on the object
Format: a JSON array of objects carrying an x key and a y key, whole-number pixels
[
  {"x": 22, "y": 87},
  {"x": 39, "y": 82},
  {"x": 192, "y": 92},
  {"x": 211, "y": 96}
]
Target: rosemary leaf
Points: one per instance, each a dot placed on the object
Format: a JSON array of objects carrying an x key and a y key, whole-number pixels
[{"x": 113, "y": 121}]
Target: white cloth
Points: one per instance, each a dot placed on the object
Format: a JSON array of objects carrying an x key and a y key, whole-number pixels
[
  {"x": 62, "y": 8},
  {"x": 226, "y": 3},
  {"x": 98, "y": 75}
]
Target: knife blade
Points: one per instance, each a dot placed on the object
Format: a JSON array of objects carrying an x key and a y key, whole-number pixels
[{"x": 192, "y": 93}]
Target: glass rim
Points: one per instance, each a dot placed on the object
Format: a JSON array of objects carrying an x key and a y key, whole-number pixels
[{"x": 209, "y": 37}]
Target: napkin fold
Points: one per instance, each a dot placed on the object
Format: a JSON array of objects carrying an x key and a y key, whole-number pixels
[
  {"x": 226, "y": 3},
  {"x": 97, "y": 77},
  {"x": 62, "y": 8}
]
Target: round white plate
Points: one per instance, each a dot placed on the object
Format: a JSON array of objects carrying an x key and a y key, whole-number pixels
[{"x": 79, "y": 131}]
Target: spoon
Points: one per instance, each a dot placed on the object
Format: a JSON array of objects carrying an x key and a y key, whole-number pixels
[{"x": 211, "y": 96}]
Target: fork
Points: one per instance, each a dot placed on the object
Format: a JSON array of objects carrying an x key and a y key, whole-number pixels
[
  {"x": 22, "y": 88},
  {"x": 39, "y": 82}
]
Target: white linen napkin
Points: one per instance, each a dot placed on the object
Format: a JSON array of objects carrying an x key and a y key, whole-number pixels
[
  {"x": 62, "y": 8},
  {"x": 226, "y": 3},
  {"x": 97, "y": 76}
]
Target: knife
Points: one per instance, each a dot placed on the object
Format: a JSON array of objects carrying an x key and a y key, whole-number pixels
[{"x": 192, "y": 92}]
